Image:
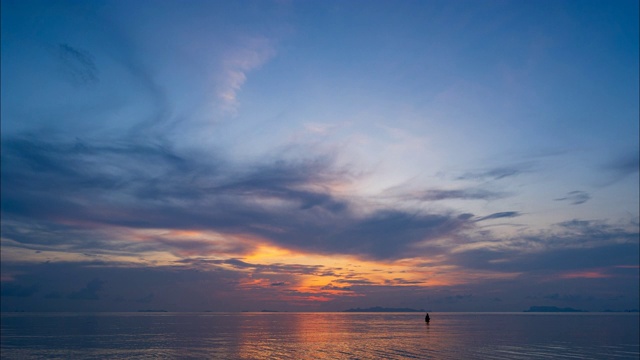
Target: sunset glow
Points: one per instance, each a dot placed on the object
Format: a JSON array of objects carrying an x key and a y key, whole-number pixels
[{"x": 319, "y": 155}]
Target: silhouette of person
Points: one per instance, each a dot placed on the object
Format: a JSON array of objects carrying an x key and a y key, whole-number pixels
[{"x": 427, "y": 318}]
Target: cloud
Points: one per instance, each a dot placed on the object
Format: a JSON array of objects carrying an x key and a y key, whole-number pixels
[
  {"x": 568, "y": 297},
  {"x": 575, "y": 197},
  {"x": 89, "y": 292},
  {"x": 252, "y": 53},
  {"x": 79, "y": 193},
  {"x": 76, "y": 187},
  {"x": 146, "y": 299},
  {"x": 454, "y": 299},
  {"x": 354, "y": 281},
  {"x": 621, "y": 166},
  {"x": 401, "y": 281},
  {"x": 497, "y": 173},
  {"x": 625, "y": 164},
  {"x": 78, "y": 64},
  {"x": 12, "y": 289},
  {"x": 461, "y": 194},
  {"x": 53, "y": 295},
  {"x": 177, "y": 288},
  {"x": 599, "y": 230},
  {"x": 336, "y": 288},
  {"x": 500, "y": 215},
  {"x": 575, "y": 247},
  {"x": 277, "y": 268}
]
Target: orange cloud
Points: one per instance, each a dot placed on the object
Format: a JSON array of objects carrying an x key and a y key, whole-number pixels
[{"x": 593, "y": 274}]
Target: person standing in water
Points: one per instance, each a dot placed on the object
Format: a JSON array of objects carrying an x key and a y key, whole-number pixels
[{"x": 427, "y": 318}]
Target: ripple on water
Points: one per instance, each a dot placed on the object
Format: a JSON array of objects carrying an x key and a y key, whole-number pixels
[{"x": 320, "y": 336}]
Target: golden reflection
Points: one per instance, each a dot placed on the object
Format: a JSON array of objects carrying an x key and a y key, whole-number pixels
[
  {"x": 324, "y": 335},
  {"x": 347, "y": 335}
]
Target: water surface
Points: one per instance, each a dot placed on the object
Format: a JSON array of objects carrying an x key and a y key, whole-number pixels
[{"x": 320, "y": 336}]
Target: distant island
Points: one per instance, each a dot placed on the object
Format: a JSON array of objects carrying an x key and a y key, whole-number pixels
[
  {"x": 552, "y": 309},
  {"x": 384, "y": 309}
]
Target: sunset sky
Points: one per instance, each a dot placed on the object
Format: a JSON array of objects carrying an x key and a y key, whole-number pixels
[{"x": 319, "y": 155}]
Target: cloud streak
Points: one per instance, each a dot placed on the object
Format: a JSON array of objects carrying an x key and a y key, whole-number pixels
[
  {"x": 79, "y": 64},
  {"x": 462, "y": 194},
  {"x": 284, "y": 202},
  {"x": 497, "y": 173},
  {"x": 576, "y": 197},
  {"x": 237, "y": 63},
  {"x": 500, "y": 215}
]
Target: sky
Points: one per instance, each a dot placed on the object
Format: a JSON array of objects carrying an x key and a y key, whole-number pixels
[{"x": 319, "y": 155}]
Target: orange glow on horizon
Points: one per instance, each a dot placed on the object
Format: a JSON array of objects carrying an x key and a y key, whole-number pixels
[{"x": 278, "y": 273}]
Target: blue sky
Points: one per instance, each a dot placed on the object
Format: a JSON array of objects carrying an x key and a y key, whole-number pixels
[{"x": 319, "y": 155}]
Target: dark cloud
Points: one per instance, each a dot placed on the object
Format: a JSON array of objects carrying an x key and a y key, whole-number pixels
[
  {"x": 578, "y": 245},
  {"x": 187, "y": 288},
  {"x": 338, "y": 288},
  {"x": 123, "y": 287},
  {"x": 500, "y": 215},
  {"x": 401, "y": 281},
  {"x": 291, "y": 269},
  {"x": 389, "y": 233},
  {"x": 619, "y": 167},
  {"x": 589, "y": 232},
  {"x": 495, "y": 173},
  {"x": 89, "y": 292},
  {"x": 354, "y": 281},
  {"x": 462, "y": 194},
  {"x": 568, "y": 297},
  {"x": 625, "y": 164},
  {"x": 465, "y": 216},
  {"x": 576, "y": 197},
  {"x": 152, "y": 186},
  {"x": 146, "y": 299},
  {"x": 53, "y": 295},
  {"x": 454, "y": 299},
  {"x": 11, "y": 289}
]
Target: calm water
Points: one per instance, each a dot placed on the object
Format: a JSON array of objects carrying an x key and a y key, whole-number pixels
[{"x": 320, "y": 336}]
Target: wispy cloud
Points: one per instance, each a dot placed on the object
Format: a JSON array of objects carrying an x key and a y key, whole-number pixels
[
  {"x": 78, "y": 64},
  {"x": 283, "y": 202},
  {"x": 576, "y": 197},
  {"x": 500, "y": 215},
  {"x": 497, "y": 173},
  {"x": 459, "y": 194},
  {"x": 586, "y": 274},
  {"x": 250, "y": 54},
  {"x": 621, "y": 166}
]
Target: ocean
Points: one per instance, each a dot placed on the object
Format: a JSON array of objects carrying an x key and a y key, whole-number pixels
[{"x": 287, "y": 335}]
